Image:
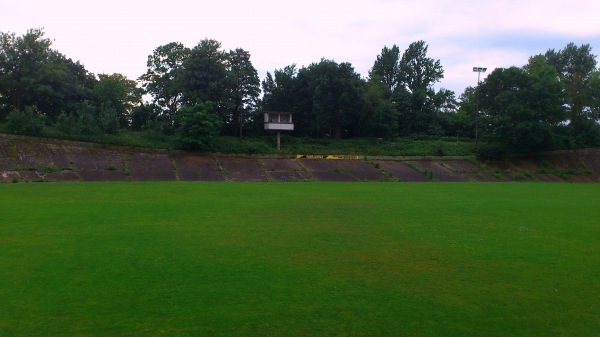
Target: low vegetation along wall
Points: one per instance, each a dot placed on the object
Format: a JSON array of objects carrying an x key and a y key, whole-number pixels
[{"x": 26, "y": 159}]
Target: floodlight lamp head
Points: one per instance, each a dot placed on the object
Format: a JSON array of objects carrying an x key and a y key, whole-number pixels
[{"x": 242, "y": 56}]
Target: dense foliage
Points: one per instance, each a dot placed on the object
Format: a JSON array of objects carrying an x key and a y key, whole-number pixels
[{"x": 552, "y": 102}]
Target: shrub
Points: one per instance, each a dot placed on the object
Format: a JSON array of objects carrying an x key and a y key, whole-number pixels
[
  {"x": 109, "y": 119},
  {"x": 28, "y": 122},
  {"x": 257, "y": 147},
  {"x": 491, "y": 151},
  {"x": 438, "y": 149},
  {"x": 198, "y": 127},
  {"x": 87, "y": 124},
  {"x": 87, "y": 121},
  {"x": 157, "y": 131},
  {"x": 66, "y": 124}
]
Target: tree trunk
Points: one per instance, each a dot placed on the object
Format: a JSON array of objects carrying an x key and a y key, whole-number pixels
[{"x": 338, "y": 132}]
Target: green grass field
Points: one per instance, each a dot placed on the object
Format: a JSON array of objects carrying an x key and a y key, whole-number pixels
[{"x": 299, "y": 259}]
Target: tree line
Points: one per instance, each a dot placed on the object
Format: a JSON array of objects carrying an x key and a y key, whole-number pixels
[{"x": 196, "y": 94}]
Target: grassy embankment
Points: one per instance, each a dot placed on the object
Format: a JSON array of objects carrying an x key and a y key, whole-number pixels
[
  {"x": 319, "y": 259},
  {"x": 411, "y": 146}
]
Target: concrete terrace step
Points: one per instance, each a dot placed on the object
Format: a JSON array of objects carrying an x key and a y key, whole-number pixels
[{"x": 26, "y": 159}]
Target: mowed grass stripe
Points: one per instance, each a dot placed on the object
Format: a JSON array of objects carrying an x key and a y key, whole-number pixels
[{"x": 299, "y": 259}]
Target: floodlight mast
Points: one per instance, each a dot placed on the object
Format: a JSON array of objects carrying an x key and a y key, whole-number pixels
[
  {"x": 240, "y": 56},
  {"x": 478, "y": 70}
]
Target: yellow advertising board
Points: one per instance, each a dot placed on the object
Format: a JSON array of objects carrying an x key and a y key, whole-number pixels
[{"x": 325, "y": 156}]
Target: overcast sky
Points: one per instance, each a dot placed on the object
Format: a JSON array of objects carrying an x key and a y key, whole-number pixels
[{"x": 116, "y": 36}]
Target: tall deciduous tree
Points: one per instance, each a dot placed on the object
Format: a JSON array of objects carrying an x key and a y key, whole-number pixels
[
  {"x": 32, "y": 74},
  {"x": 119, "y": 93},
  {"x": 204, "y": 76},
  {"x": 575, "y": 66},
  {"x": 381, "y": 119},
  {"x": 63, "y": 85},
  {"x": 595, "y": 93},
  {"x": 21, "y": 61},
  {"x": 279, "y": 90},
  {"x": 522, "y": 109},
  {"x": 163, "y": 79},
  {"x": 463, "y": 123},
  {"x": 332, "y": 100},
  {"x": 415, "y": 96},
  {"x": 446, "y": 107},
  {"x": 245, "y": 90},
  {"x": 417, "y": 70},
  {"x": 387, "y": 67}
]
